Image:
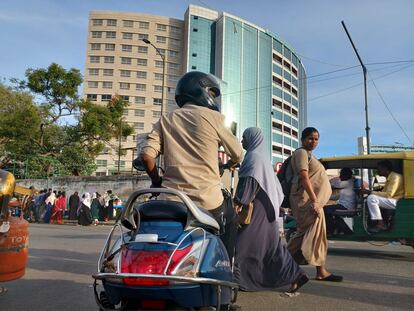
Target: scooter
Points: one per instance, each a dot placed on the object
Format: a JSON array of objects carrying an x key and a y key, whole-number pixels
[{"x": 164, "y": 254}]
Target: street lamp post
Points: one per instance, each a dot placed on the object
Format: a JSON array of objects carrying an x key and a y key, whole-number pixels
[
  {"x": 163, "y": 72},
  {"x": 163, "y": 83}
]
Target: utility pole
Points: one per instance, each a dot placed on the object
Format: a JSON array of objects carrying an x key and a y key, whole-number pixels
[{"x": 364, "y": 70}]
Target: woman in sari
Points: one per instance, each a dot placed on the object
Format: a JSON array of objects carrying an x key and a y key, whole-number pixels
[
  {"x": 310, "y": 191},
  {"x": 262, "y": 261}
]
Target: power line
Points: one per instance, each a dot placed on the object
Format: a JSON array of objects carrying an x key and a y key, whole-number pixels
[
  {"x": 353, "y": 74},
  {"x": 355, "y": 85},
  {"x": 389, "y": 111}
]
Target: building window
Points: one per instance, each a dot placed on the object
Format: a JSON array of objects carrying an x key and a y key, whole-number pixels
[
  {"x": 172, "y": 53},
  {"x": 158, "y": 88},
  {"x": 143, "y": 49},
  {"x": 161, "y": 27},
  {"x": 95, "y": 46},
  {"x": 127, "y": 35},
  {"x": 124, "y": 86},
  {"x": 171, "y": 102},
  {"x": 125, "y": 112},
  {"x": 161, "y": 39},
  {"x": 96, "y": 34},
  {"x": 126, "y": 73},
  {"x": 108, "y": 72},
  {"x": 107, "y": 85},
  {"x": 141, "y": 75},
  {"x": 92, "y": 97},
  {"x": 141, "y": 87},
  {"x": 193, "y": 67},
  {"x": 194, "y": 54},
  {"x": 173, "y": 66},
  {"x": 94, "y": 59},
  {"x": 93, "y": 84},
  {"x": 141, "y": 62},
  {"x": 106, "y": 97},
  {"x": 109, "y": 47},
  {"x": 157, "y": 101},
  {"x": 158, "y": 76},
  {"x": 110, "y": 34},
  {"x": 111, "y": 22},
  {"x": 142, "y": 36},
  {"x": 140, "y": 100},
  {"x": 174, "y": 41},
  {"x": 93, "y": 72},
  {"x": 139, "y": 125},
  {"x": 139, "y": 112},
  {"x": 143, "y": 25},
  {"x": 128, "y": 23},
  {"x": 172, "y": 78},
  {"x": 277, "y": 58},
  {"x": 109, "y": 59},
  {"x": 158, "y": 63},
  {"x": 195, "y": 30},
  {"x": 126, "y": 48},
  {"x": 97, "y": 22},
  {"x": 121, "y": 163},
  {"x": 175, "y": 29},
  {"x": 101, "y": 163},
  {"x": 156, "y": 114},
  {"x": 126, "y": 60}
]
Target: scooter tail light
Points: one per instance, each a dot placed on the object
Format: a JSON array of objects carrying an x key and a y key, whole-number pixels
[
  {"x": 189, "y": 263},
  {"x": 150, "y": 262}
]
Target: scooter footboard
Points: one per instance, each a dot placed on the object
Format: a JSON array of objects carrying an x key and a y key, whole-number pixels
[{"x": 186, "y": 291}]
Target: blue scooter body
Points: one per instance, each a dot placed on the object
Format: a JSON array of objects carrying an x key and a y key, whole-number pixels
[{"x": 173, "y": 233}]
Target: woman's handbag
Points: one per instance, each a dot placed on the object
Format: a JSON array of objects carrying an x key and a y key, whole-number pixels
[{"x": 245, "y": 215}]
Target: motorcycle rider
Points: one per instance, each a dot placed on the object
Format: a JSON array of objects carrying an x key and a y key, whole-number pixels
[{"x": 189, "y": 139}]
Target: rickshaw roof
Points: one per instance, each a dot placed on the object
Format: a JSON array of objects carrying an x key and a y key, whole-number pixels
[{"x": 404, "y": 155}]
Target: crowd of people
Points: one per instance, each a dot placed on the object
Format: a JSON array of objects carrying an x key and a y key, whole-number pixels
[
  {"x": 188, "y": 139},
  {"x": 51, "y": 206}
]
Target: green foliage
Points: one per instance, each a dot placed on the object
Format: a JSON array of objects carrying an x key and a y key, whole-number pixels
[
  {"x": 40, "y": 138},
  {"x": 20, "y": 120}
]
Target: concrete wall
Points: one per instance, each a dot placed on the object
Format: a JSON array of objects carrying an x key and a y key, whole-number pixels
[{"x": 121, "y": 186}]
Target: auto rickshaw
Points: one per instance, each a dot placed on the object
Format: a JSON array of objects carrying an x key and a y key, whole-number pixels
[{"x": 400, "y": 222}]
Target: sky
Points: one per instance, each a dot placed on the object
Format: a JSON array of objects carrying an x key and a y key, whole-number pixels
[{"x": 35, "y": 33}]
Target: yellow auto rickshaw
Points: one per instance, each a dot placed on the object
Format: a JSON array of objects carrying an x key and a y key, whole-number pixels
[{"x": 400, "y": 222}]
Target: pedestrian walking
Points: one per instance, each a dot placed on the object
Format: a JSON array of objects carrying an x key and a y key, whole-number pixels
[
  {"x": 84, "y": 210},
  {"x": 74, "y": 202}
]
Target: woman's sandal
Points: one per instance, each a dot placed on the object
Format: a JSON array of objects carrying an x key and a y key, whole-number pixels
[
  {"x": 300, "y": 281},
  {"x": 331, "y": 278}
]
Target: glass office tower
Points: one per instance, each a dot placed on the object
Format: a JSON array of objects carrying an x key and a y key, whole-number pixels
[{"x": 264, "y": 81}]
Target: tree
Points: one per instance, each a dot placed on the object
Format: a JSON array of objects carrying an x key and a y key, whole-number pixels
[
  {"x": 20, "y": 121},
  {"x": 67, "y": 132}
]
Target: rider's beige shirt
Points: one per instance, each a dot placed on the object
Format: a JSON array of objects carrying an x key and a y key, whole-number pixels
[{"x": 189, "y": 139}]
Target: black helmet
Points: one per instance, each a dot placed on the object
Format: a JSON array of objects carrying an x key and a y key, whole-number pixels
[{"x": 199, "y": 88}]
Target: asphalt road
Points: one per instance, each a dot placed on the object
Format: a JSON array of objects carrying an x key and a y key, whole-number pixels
[{"x": 62, "y": 258}]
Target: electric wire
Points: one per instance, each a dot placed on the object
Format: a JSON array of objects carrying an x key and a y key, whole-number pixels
[
  {"x": 389, "y": 110},
  {"x": 355, "y": 85}
]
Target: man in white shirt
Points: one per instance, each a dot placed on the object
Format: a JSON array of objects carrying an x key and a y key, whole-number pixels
[{"x": 346, "y": 198}]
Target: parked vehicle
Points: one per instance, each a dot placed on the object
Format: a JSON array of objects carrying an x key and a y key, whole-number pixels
[
  {"x": 162, "y": 254},
  {"x": 400, "y": 222}
]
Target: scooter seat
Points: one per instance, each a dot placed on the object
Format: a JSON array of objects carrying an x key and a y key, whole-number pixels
[
  {"x": 346, "y": 213},
  {"x": 163, "y": 210}
]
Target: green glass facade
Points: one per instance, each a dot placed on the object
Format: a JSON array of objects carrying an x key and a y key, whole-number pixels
[{"x": 265, "y": 81}]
